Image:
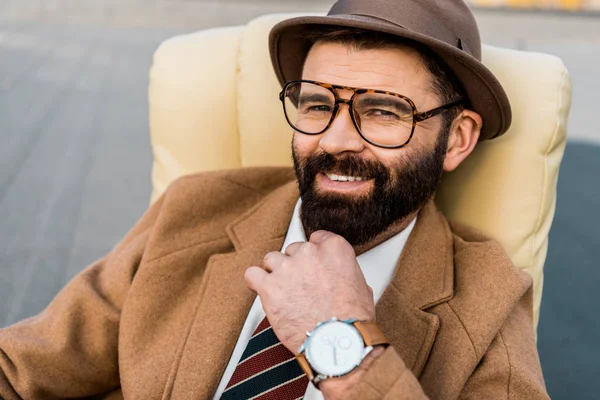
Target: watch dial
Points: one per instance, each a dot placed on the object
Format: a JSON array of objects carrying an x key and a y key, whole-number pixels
[{"x": 335, "y": 348}]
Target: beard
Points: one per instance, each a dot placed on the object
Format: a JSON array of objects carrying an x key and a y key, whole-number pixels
[{"x": 397, "y": 192}]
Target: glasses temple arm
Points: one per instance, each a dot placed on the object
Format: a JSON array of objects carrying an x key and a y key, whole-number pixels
[{"x": 432, "y": 113}]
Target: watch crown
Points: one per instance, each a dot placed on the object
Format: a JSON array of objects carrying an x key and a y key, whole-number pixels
[
  {"x": 301, "y": 349},
  {"x": 307, "y": 333}
]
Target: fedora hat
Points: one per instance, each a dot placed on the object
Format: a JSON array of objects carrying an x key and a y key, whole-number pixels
[{"x": 446, "y": 27}]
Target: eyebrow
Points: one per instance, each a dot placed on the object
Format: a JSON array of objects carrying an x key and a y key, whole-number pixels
[
  {"x": 315, "y": 98},
  {"x": 378, "y": 101}
]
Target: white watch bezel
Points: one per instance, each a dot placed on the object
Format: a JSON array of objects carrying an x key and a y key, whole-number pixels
[{"x": 319, "y": 376}]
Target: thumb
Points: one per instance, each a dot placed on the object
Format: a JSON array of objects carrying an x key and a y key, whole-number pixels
[{"x": 254, "y": 277}]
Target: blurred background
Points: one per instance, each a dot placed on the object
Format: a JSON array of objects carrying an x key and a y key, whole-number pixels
[{"x": 75, "y": 156}]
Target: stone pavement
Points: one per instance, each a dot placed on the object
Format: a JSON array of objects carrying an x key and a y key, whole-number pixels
[{"x": 75, "y": 158}]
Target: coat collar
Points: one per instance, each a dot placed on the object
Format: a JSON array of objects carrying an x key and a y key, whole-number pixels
[
  {"x": 423, "y": 278},
  {"x": 425, "y": 271},
  {"x": 268, "y": 220}
]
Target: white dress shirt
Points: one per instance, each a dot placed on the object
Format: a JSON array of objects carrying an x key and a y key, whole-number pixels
[{"x": 378, "y": 266}]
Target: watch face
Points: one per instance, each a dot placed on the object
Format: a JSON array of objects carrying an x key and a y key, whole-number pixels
[{"x": 334, "y": 348}]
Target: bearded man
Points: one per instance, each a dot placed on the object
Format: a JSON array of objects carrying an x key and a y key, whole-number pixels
[{"x": 365, "y": 291}]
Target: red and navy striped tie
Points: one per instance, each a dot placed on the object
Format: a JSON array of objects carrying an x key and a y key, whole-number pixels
[{"x": 266, "y": 371}]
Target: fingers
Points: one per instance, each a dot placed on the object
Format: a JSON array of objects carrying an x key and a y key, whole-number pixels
[
  {"x": 293, "y": 248},
  {"x": 254, "y": 277},
  {"x": 273, "y": 260}
]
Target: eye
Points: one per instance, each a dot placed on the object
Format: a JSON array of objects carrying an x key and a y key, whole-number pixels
[
  {"x": 320, "y": 108},
  {"x": 382, "y": 114},
  {"x": 315, "y": 108}
]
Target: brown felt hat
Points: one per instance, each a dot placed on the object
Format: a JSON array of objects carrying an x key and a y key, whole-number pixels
[{"x": 447, "y": 27}]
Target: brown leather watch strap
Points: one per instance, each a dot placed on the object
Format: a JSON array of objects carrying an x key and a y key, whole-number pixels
[
  {"x": 305, "y": 366},
  {"x": 371, "y": 333}
]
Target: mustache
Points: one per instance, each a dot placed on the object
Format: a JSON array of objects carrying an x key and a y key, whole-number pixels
[{"x": 350, "y": 164}]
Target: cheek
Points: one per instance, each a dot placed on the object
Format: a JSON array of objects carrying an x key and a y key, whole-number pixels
[
  {"x": 391, "y": 159},
  {"x": 426, "y": 134},
  {"x": 396, "y": 160},
  {"x": 304, "y": 145}
]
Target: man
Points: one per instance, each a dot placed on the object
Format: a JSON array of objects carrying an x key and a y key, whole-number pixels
[{"x": 383, "y": 96}]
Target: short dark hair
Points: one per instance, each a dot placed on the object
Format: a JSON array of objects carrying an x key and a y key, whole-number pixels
[{"x": 444, "y": 82}]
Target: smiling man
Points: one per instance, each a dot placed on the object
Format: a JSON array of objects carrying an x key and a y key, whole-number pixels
[{"x": 365, "y": 290}]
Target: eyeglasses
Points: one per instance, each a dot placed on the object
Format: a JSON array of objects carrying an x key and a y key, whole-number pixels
[{"x": 383, "y": 119}]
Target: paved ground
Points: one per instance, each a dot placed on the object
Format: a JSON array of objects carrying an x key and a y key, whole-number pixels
[{"x": 75, "y": 158}]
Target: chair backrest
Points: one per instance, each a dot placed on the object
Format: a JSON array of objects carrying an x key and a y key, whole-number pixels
[{"x": 214, "y": 105}]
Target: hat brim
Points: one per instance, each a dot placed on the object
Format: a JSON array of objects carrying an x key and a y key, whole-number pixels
[{"x": 487, "y": 97}]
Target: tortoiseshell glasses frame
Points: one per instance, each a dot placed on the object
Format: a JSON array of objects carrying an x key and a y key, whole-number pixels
[{"x": 417, "y": 116}]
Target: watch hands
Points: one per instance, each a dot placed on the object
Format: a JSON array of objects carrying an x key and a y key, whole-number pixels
[
  {"x": 334, "y": 355},
  {"x": 331, "y": 342}
]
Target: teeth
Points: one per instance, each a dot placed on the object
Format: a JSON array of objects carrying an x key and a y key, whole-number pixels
[{"x": 343, "y": 178}]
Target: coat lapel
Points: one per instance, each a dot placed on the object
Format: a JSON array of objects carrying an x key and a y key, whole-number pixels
[
  {"x": 423, "y": 279},
  {"x": 226, "y": 301}
]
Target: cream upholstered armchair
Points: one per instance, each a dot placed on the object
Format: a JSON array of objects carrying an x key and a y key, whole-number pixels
[{"x": 214, "y": 105}]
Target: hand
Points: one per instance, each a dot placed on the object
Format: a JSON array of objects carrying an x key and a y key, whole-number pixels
[{"x": 312, "y": 282}]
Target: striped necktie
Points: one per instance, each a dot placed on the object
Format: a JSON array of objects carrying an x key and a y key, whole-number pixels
[{"x": 266, "y": 371}]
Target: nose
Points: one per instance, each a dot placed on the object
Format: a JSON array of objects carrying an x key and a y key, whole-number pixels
[{"x": 342, "y": 135}]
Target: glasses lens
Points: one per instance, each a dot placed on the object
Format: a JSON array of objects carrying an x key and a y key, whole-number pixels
[
  {"x": 308, "y": 107},
  {"x": 384, "y": 119}
]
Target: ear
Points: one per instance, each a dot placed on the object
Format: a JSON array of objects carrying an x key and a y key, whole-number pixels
[{"x": 464, "y": 135}]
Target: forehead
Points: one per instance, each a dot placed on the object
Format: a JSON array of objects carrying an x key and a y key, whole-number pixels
[{"x": 399, "y": 70}]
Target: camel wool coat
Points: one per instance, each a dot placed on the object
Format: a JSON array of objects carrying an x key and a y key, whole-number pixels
[{"x": 159, "y": 316}]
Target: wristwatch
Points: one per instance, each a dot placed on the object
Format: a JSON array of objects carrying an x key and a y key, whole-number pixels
[{"x": 335, "y": 347}]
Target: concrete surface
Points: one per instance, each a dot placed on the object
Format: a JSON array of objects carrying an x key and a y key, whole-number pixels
[{"x": 75, "y": 158}]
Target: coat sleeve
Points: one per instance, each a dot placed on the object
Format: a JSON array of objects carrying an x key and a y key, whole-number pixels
[
  {"x": 510, "y": 368},
  {"x": 70, "y": 349}
]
